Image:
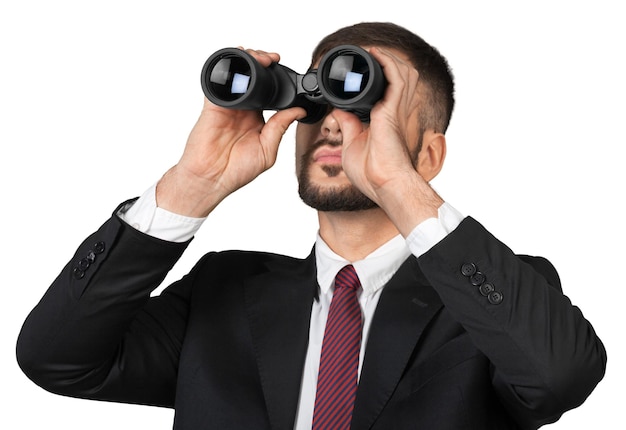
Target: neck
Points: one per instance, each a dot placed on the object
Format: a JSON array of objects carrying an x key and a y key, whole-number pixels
[{"x": 355, "y": 235}]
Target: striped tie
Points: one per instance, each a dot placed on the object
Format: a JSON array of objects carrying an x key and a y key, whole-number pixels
[{"x": 339, "y": 363}]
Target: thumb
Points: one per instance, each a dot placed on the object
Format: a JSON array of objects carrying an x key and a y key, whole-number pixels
[{"x": 276, "y": 127}]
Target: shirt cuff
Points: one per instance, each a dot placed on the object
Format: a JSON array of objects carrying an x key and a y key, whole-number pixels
[
  {"x": 145, "y": 216},
  {"x": 433, "y": 230}
]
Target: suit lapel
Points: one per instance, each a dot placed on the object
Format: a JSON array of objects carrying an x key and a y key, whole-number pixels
[
  {"x": 279, "y": 310},
  {"x": 406, "y": 306}
]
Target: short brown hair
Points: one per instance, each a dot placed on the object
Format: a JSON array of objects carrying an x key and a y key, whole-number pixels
[{"x": 433, "y": 68}]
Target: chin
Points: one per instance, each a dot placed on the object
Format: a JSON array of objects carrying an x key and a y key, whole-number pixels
[{"x": 345, "y": 198}]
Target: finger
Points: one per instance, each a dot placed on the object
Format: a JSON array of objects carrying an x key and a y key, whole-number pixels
[
  {"x": 349, "y": 124},
  {"x": 274, "y": 130},
  {"x": 402, "y": 79},
  {"x": 395, "y": 67},
  {"x": 264, "y": 58}
]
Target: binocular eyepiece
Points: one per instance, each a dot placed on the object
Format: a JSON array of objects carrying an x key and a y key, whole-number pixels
[{"x": 348, "y": 78}]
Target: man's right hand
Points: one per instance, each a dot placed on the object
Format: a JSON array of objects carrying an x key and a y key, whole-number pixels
[{"x": 226, "y": 149}]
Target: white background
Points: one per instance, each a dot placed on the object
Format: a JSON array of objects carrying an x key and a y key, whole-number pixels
[{"x": 97, "y": 99}]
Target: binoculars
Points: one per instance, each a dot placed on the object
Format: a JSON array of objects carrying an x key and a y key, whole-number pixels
[{"x": 348, "y": 78}]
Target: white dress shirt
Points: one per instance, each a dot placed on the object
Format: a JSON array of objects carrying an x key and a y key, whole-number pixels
[{"x": 374, "y": 272}]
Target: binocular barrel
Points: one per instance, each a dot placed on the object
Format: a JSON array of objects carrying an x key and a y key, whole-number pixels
[{"x": 348, "y": 78}]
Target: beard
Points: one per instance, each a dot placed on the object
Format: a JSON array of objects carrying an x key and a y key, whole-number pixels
[{"x": 345, "y": 198}]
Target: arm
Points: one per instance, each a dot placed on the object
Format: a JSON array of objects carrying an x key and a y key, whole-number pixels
[
  {"x": 545, "y": 356},
  {"x": 97, "y": 333}
]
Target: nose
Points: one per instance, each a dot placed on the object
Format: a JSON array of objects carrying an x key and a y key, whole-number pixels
[{"x": 330, "y": 127}]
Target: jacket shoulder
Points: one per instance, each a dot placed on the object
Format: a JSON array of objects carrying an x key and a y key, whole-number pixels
[{"x": 242, "y": 264}]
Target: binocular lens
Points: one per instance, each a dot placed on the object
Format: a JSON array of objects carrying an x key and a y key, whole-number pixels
[
  {"x": 351, "y": 79},
  {"x": 347, "y": 76},
  {"x": 232, "y": 78},
  {"x": 229, "y": 78}
]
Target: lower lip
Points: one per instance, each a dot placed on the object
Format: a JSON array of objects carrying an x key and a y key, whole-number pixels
[{"x": 329, "y": 159}]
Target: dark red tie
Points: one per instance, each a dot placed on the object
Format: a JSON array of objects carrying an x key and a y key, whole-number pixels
[{"x": 339, "y": 362}]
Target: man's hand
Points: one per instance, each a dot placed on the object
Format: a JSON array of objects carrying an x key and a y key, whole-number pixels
[
  {"x": 226, "y": 149},
  {"x": 378, "y": 159}
]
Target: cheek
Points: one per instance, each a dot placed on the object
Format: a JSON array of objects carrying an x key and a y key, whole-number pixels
[
  {"x": 304, "y": 135},
  {"x": 299, "y": 152}
]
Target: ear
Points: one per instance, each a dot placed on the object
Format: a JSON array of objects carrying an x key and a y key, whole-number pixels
[{"x": 432, "y": 155}]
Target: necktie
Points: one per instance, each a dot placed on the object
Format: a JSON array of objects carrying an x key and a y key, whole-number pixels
[{"x": 339, "y": 362}]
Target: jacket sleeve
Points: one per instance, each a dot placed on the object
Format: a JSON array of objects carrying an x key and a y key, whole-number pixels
[
  {"x": 97, "y": 332},
  {"x": 545, "y": 356}
]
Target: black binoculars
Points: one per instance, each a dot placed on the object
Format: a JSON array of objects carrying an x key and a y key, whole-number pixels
[{"x": 348, "y": 78}]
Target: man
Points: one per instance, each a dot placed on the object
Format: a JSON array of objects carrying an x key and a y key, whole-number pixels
[{"x": 451, "y": 330}]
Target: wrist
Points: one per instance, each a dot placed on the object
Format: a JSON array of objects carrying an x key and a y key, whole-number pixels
[
  {"x": 410, "y": 202},
  {"x": 187, "y": 195}
]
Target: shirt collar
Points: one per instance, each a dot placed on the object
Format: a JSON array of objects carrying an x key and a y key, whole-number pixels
[{"x": 374, "y": 271}]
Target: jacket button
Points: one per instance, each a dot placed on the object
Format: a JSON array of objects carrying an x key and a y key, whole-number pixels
[
  {"x": 78, "y": 274},
  {"x": 91, "y": 257},
  {"x": 468, "y": 269},
  {"x": 495, "y": 297},
  {"x": 486, "y": 288},
  {"x": 83, "y": 264},
  {"x": 478, "y": 278},
  {"x": 99, "y": 247}
]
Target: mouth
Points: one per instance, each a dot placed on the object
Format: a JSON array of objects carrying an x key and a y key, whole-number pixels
[{"x": 327, "y": 155}]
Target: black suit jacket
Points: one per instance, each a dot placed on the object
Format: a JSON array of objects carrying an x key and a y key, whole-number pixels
[{"x": 225, "y": 346}]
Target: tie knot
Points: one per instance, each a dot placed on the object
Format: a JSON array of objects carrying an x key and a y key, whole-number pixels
[{"x": 347, "y": 278}]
